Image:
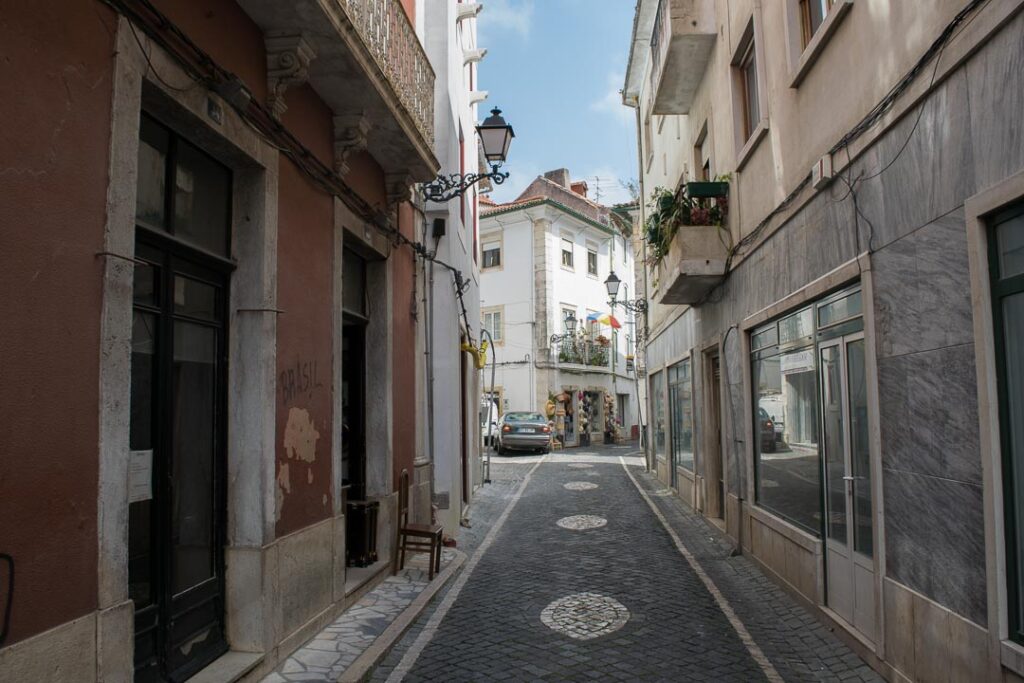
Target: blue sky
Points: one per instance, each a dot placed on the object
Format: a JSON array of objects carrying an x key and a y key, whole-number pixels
[{"x": 555, "y": 68}]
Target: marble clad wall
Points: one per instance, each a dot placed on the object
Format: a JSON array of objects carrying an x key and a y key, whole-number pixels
[{"x": 966, "y": 139}]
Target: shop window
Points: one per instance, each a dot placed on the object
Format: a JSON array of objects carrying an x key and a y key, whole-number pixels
[
  {"x": 492, "y": 255},
  {"x": 658, "y": 414},
  {"x": 787, "y": 415},
  {"x": 1006, "y": 263},
  {"x": 680, "y": 399},
  {"x": 567, "y": 253}
]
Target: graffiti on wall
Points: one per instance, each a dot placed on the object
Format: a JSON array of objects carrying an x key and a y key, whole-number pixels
[{"x": 298, "y": 380}]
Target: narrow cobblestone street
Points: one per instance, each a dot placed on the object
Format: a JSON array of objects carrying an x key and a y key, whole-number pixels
[{"x": 573, "y": 576}]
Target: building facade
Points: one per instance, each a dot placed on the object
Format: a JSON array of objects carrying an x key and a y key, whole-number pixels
[
  {"x": 546, "y": 256},
  {"x": 215, "y": 277},
  {"x": 835, "y": 335},
  {"x": 451, "y": 378}
]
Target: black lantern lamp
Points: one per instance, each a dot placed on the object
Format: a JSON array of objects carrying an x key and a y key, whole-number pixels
[
  {"x": 633, "y": 306},
  {"x": 570, "y": 328},
  {"x": 495, "y": 137}
]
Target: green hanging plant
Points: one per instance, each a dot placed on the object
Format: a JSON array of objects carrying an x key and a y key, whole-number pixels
[{"x": 670, "y": 210}]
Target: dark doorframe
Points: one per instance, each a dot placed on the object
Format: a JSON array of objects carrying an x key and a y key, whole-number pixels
[{"x": 714, "y": 470}]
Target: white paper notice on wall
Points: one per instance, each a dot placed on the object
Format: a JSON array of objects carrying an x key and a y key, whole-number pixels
[{"x": 140, "y": 476}]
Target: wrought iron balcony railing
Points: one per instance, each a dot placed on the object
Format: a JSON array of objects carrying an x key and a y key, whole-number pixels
[{"x": 391, "y": 38}]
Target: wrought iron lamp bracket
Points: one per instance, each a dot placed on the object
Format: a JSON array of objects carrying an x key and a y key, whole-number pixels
[{"x": 447, "y": 187}]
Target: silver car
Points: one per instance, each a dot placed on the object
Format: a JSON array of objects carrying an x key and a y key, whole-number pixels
[{"x": 523, "y": 431}]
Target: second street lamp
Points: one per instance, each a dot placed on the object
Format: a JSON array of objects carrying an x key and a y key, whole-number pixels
[
  {"x": 631, "y": 305},
  {"x": 495, "y": 138},
  {"x": 570, "y": 329}
]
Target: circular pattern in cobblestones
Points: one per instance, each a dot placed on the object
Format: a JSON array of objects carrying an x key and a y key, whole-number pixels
[
  {"x": 582, "y": 522},
  {"x": 580, "y": 465},
  {"x": 579, "y": 486},
  {"x": 584, "y": 616}
]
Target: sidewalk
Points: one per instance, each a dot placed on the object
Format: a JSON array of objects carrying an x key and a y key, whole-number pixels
[{"x": 353, "y": 643}]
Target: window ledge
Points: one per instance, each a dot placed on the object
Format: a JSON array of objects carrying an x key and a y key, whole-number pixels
[
  {"x": 817, "y": 44},
  {"x": 1011, "y": 655},
  {"x": 752, "y": 143}
]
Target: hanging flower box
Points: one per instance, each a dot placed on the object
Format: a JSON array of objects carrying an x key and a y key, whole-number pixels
[
  {"x": 688, "y": 241},
  {"x": 707, "y": 189}
]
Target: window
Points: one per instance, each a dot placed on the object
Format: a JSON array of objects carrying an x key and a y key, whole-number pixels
[
  {"x": 812, "y": 14},
  {"x": 702, "y": 152},
  {"x": 748, "y": 76},
  {"x": 591, "y": 260},
  {"x": 566, "y": 253},
  {"x": 787, "y": 416},
  {"x": 492, "y": 255},
  {"x": 593, "y": 327},
  {"x": 492, "y": 321},
  {"x": 1006, "y": 264},
  {"x": 648, "y": 141},
  {"x": 566, "y": 312},
  {"x": 680, "y": 401},
  {"x": 658, "y": 410}
]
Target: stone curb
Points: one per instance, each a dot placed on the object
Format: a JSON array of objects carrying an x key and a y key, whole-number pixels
[{"x": 364, "y": 663}]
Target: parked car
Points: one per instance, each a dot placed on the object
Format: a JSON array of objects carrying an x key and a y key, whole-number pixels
[
  {"x": 524, "y": 431},
  {"x": 766, "y": 429},
  {"x": 489, "y": 433}
]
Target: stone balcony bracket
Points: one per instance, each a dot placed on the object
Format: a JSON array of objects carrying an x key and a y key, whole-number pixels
[
  {"x": 361, "y": 58},
  {"x": 351, "y": 135},
  {"x": 473, "y": 56},
  {"x": 399, "y": 188},
  {"x": 468, "y": 10},
  {"x": 478, "y": 96},
  {"x": 288, "y": 58}
]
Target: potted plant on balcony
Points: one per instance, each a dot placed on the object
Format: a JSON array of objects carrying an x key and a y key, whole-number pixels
[
  {"x": 705, "y": 204},
  {"x": 603, "y": 341}
]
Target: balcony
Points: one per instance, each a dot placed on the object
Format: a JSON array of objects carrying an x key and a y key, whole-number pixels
[
  {"x": 688, "y": 240},
  {"x": 582, "y": 353},
  {"x": 681, "y": 43},
  {"x": 364, "y": 59}
]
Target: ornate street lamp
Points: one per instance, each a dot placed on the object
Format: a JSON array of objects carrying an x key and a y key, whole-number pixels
[
  {"x": 631, "y": 305},
  {"x": 495, "y": 137},
  {"x": 570, "y": 329}
]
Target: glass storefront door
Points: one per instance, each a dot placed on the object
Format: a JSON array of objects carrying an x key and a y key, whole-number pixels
[{"x": 847, "y": 481}]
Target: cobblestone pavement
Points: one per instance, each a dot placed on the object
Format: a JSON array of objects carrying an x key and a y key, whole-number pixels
[{"x": 581, "y": 583}]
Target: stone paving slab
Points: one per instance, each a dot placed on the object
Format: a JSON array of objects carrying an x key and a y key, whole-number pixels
[
  {"x": 332, "y": 651},
  {"x": 674, "y": 631}
]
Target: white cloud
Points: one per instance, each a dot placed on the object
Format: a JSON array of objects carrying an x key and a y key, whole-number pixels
[
  {"x": 505, "y": 16},
  {"x": 611, "y": 102}
]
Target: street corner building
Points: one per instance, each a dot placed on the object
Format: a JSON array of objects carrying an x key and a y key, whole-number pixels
[
  {"x": 833, "y": 223},
  {"x": 562, "y": 351},
  {"x": 216, "y": 307}
]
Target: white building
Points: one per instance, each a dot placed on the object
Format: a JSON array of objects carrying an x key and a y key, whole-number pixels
[
  {"x": 545, "y": 256},
  {"x": 452, "y": 385}
]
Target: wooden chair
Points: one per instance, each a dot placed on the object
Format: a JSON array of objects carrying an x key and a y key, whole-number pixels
[{"x": 415, "y": 537}]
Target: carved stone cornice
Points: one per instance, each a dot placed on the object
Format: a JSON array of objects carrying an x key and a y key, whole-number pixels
[
  {"x": 288, "y": 58},
  {"x": 350, "y": 136}
]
